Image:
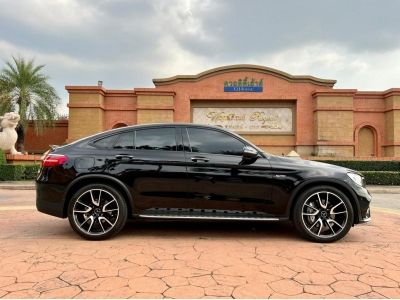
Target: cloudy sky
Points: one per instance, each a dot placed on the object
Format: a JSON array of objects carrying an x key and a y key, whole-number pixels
[{"x": 127, "y": 43}]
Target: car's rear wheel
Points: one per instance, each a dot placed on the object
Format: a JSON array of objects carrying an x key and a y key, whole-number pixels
[
  {"x": 97, "y": 211},
  {"x": 323, "y": 214}
]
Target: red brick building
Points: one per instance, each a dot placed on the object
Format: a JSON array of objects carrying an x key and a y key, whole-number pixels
[
  {"x": 275, "y": 110},
  {"x": 51, "y": 135}
]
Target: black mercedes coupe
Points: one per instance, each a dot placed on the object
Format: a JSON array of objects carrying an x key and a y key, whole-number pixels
[{"x": 190, "y": 171}]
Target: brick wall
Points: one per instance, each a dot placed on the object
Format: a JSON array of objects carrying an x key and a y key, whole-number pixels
[
  {"x": 39, "y": 143},
  {"x": 327, "y": 121}
]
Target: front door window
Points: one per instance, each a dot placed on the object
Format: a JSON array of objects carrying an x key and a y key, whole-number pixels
[{"x": 214, "y": 142}]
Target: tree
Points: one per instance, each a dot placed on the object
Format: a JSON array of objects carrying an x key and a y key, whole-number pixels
[{"x": 25, "y": 90}]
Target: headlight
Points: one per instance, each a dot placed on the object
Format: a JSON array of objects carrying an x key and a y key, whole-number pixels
[{"x": 356, "y": 178}]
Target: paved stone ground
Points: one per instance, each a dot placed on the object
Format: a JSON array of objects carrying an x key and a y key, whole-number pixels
[{"x": 40, "y": 256}]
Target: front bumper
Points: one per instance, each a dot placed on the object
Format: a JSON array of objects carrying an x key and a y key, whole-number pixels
[{"x": 364, "y": 201}]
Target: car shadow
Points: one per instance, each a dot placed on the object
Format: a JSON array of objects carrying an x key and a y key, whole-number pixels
[{"x": 209, "y": 229}]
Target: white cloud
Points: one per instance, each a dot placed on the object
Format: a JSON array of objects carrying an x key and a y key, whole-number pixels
[
  {"x": 55, "y": 60},
  {"x": 128, "y": 43},
  {"x": 176, "y": 21},
  {"x": 174, "y": 59},
  {"x": 363, "y": 71},
  {"x": 51, "y": 16},
  {"x": 183, "y": 17}
]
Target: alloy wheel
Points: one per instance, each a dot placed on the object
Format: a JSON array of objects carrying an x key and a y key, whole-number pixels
[
  {"x": 96, "y": 212},
  {"x": 324, "y": 214}
]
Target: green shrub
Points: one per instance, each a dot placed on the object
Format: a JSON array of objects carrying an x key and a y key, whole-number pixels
[
  {"x": 12, "y": 172},
  {"x": 381, "y": 178},
  {"x": 3, "y": 160},
  {"x": 31, "y": 171},
  {"x": 366, "y": 165}
]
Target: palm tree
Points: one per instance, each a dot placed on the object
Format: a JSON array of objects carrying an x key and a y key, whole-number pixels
[{"x": 25, "y": 90}]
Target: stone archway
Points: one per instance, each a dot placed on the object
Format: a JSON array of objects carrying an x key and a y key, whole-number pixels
[
  {"x": 119, "y": 125},
  {"x": 366, "y": 142}
]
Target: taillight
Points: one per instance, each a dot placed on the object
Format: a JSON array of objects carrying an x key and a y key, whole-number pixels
[{"x": 52, "y": 160}]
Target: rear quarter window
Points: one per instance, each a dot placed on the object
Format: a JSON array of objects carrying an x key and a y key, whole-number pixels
[{"x": 106, "y": 142}]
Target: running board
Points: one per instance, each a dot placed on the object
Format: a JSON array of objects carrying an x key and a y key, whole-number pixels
[
  {"x": 206, "y": 214},
  {"x": 208, "y": 218}
]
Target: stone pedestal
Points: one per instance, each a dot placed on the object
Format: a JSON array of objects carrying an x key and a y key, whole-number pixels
[{"x": 23, "y": 159}]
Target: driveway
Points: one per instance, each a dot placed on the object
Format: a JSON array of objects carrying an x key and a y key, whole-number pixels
[{"x": 40, "y": 256}]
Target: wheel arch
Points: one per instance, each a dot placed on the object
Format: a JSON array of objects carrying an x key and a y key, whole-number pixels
[
  {"x": 83, "y": 180},
  {"x": 344, "y": 188}
]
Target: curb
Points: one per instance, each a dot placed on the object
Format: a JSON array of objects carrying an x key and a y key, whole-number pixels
[
  {"x": 17, "y": 185},
  {"x": 384, "y": 189}
]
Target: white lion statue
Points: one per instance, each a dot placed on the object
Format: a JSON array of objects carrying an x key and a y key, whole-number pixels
[{"x": 8, "y": 136}]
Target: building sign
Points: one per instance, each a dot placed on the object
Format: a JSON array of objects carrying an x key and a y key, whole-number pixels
[
  {"x": 246, "y": 119},
  {"x": 244, "y": 85}
]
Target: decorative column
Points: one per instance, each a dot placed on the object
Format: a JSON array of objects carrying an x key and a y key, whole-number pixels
[
  {"x": 333, "y": 123},
  {"x": 86, "y": 111},
  {"x": 154, "y": 106},
  {"x": 392, "y": 123}
]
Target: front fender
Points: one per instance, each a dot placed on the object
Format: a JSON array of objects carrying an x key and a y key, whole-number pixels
[{"x": 345, "y": 188}]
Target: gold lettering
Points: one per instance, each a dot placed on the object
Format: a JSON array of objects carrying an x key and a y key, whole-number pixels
[
  {"x": 222, "y": 116},
  {"x": 245, "y": 119},
  {"x": 260, "y": 116}
]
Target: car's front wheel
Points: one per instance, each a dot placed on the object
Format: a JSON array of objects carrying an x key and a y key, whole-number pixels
[
  {"x": 97, "y": 211},
  {"x": 323, "y": 214}
]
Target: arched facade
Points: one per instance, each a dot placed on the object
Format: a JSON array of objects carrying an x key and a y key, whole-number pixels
[
  {"x": 367, "y": 141},
  {"x": 119, "y": 125},
  {"x": 277, "y": 111}
]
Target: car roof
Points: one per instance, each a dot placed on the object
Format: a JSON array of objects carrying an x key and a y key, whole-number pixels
[
  {"x": 172, "y": 124},
  {"x": 149, "y": 125},
  {"x": 96, "y": 136}
]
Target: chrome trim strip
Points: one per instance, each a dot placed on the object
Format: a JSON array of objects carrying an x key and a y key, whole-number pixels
[
  {"x": 366, "y": 220},
  {"x": 209, "y": 218}
]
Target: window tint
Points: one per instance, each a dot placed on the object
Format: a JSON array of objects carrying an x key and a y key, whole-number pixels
[
  {"x": 105, "y": 142},
  {"x": 125, "y": 141},
  {"x": 216, "y": 142},
  {"x": 156, "y": 139}
]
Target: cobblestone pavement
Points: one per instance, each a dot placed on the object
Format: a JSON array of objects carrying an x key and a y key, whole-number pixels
[{"x": 40, "y": 256}]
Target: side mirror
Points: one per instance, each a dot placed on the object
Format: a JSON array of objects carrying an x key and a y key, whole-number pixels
[{"x": 249, "y": 152}]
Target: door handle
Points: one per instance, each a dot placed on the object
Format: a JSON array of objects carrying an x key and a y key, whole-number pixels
[
  {"x": 199, "y": 158},
  {"x": 124, "y": 156}
]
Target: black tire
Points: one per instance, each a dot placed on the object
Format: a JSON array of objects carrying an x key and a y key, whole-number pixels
[
  {"x": 97, "y": 222},
  {"x": 321, "y": 223}
]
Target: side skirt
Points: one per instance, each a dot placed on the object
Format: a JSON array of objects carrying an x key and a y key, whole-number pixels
[{"x": 206, "y": 214}]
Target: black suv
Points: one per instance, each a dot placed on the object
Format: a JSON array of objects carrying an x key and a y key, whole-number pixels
[{"x": 189, "y": 171}]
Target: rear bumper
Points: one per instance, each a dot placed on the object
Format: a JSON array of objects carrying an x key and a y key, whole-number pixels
[{"x": 50, "y": 199}]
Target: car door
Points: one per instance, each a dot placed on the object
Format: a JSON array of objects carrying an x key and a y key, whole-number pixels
[
  {"x": 151, "y": 162},
  {"x": 219, "y": 178}
]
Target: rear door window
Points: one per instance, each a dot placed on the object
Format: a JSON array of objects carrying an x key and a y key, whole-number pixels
[{"x": 156, "y": 139}]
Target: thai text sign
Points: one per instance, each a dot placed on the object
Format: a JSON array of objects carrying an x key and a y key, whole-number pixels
[
  {"x": 246, "y": 119},
  {"x": 244, "y": 85}
]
